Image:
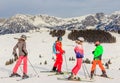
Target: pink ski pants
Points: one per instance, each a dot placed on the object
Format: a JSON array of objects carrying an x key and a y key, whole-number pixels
[
  {"x": 77, "y": 66},
  {"x": 20, "y": 59}
]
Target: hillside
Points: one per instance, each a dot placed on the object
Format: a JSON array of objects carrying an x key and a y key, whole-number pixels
[{"x": 40, "y": 43}]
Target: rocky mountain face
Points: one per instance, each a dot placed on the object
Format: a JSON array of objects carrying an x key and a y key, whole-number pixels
[{"x": 24, "y": 23}]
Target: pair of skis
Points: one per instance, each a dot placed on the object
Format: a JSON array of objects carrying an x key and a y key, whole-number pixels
[
  {"x": 18, "y": 78},
  {"x": 82, "y": 79},
  {"x": 65, "y": 79}
]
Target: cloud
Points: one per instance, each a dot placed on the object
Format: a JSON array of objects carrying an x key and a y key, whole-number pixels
[{"x": 61, "y": 8}]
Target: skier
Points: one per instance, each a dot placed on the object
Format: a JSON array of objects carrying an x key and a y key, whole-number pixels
[
  {"x": 79, "y": 51},
  {"x": 21, "y": 45},
  {"x": 59, "y": 59},
  {"x": 98, "y": 59}
]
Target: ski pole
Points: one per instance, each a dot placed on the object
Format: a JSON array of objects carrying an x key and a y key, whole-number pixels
[
  {"x": 33, "y": 67},
  {"x": 66, "y": 63},
  {"x": 84, "y": 71}
]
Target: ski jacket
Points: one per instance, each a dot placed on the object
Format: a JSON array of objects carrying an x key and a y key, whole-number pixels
[
  {"x": 98, "y": 52},
  {"x": 21, "y": 45},
  {"x": 59, "y": 47},
  {"x": 79, "y": 51}
]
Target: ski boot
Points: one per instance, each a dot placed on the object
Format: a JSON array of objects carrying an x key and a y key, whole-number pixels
[
  {"x": 25, "y": 76},
  {"x": 77, "y": 78},
  {"x": 91, "y": 75},
  {"x": 54, "y": 69},
  {"x": 59, "y": 72},
  {"x": 71, "y": 77},
  {"x": 15, "y": 75},
  {"x": 104, "y": 74}
]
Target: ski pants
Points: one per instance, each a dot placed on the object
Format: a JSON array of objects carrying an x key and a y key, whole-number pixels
[
  {"x": 58, "y": 62},
  {"x": 94, "y": 63},
  {"x": 77, "y": 66},
  {"x": 20, "y": 59}
]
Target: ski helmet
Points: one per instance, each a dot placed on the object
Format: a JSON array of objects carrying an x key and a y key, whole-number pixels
[
  {"x": 59, "y": 38},
  {"x": 80, "y": 39}
]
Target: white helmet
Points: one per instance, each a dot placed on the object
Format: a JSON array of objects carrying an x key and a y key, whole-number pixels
[{"x": 81, "y": 39}]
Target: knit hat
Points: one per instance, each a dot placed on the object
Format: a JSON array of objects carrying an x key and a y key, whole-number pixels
[{"x": 97, "y": 43}]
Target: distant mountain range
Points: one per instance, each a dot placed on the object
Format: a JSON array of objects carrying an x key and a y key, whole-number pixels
[{"x": 24, "y": 23}]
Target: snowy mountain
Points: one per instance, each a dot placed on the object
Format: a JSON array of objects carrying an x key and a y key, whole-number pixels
[{"x": 24, "y": 23}]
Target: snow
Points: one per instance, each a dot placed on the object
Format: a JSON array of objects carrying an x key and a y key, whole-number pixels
[
  {"x": 40, "y": 43},
  {"x": 116, "y": 12}
]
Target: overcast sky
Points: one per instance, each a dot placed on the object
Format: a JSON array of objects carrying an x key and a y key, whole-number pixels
[{"x": 59, "y": 8}]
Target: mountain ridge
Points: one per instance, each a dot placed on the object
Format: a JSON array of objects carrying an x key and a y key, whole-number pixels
[{"x": 25, "y": 22}]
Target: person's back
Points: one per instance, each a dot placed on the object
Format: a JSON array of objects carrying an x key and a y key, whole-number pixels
[
  {"x": 59, "y": 47},
  {"x": 21, "y": 45},
  {"x": 79, "y": 51},
  {"x": 59, "y": 59},
  {"x": 98, "y": 52}
]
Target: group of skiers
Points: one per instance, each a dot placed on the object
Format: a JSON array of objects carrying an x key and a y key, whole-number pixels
[
  {"x": 79, "y": 51},
  {"x": 58, "y": 50}
]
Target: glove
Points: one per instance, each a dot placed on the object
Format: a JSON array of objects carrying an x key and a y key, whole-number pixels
[
  {"x": 63, "y": 52},
  {"x": 14, "y": 53},
  {"x": 93, "y": 52},
  {"x": 25, "y": 54}
]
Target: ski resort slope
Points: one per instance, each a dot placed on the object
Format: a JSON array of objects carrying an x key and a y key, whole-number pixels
[{"x": 39, "y": 44}]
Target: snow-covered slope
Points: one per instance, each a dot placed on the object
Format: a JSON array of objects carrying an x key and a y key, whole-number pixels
[{"x": 41, "y": 44}]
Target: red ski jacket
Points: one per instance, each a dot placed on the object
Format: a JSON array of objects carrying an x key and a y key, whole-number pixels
[{"x": 59, "y": 47}]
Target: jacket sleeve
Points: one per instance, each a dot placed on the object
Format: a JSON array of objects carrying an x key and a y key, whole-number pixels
[
  {"x": 14, "y": 49},
  {"x": 24, "y": 49}
]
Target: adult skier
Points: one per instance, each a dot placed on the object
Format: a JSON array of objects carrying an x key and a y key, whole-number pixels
[
  {"x": 79, "y": 51},
  {"x": 98, "y": 52},
  {"x": 21, "y": 45},
  {"x": 59, "y": 58}
]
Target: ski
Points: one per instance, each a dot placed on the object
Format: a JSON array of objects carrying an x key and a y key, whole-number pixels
[
  {"x": 54, "y": 74},
  {"x": 9, "y": 77},
  {"x": 47, "y": 72},
  {"x": 22, "y": 79},
  {"x": 105, "y": 77},
  {"x": 4, "y": 77},
  {"x": 59, "y": 74},
  {"x": 30, "y": 76},
  {"x": 82, "y": 80}
]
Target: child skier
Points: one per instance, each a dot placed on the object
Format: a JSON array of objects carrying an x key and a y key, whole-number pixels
[
  {"x": 98, "y": 59},
  {"x": 21, "y": 45},
  {"x": 79, "y": 51},
  {"x": 59, "y": 59}
]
